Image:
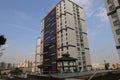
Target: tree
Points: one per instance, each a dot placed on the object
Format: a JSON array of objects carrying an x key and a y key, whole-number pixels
[
  {"x": 2, "y": 42},
  {"x": 107, "y": 65},
  {"x": 16, "y": 71}
]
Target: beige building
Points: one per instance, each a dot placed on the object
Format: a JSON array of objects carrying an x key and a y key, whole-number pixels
[
  {"x": 98, "y": 66},
  {"x": 113, "y": 12},
  {"x": 37, "y": 56},
  {"x": 25, "y": 64},
  {"x": 114, "y": 66},
  {"x": 64, "y": 32},
  {"x": 102, "y": 66}
]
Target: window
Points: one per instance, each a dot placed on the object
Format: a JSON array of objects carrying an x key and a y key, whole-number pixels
[
  {"x": 119, "y": 40},
  {"x": 61, "y": 35},
  {"x": 66, "y": 28},
  {"x": 112, "y": 7},
  {"x": 76, "y": 32},
  {"x": 67, "y": 52},
  {"x": 67, "y": 47},
  {"x": 109, "y": 1},
  {"x": 66, "y": 38},
  {"x": 114, "y": 15},
  {"x": 62, "y": 45},
  {"x": 119, "y": 2},
  {"x": 60, "y": 23},
  {"x": 61, "y": 31},
  {"x": 79, "y": 63},
  {"x": 78, "y": 44},
  {"x": 65, "y": 21},
  {"x": 78, "y": 49},
  {"x": 118, "y": 31},
  {"x": 61, "y": 40},
  {"x": 66, "y": 34},
  {"x": 116, "y": 23},
  {"x": 67, "y": 43},
  {"x": 62, "y": 49}
]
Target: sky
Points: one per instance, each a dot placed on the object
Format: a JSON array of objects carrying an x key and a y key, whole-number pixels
[{"x": 20, "y": 22}]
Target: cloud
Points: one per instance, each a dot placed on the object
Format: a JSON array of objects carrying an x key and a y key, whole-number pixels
[
  {"x": 21, "y": 14},
  {"x": 82, "y": 2},
  {"x": 95, "y": 30},
  {"x": 102, "y": 14},
  {"x": 87, "y": 6},
  {"x": 20, "y": 27}
]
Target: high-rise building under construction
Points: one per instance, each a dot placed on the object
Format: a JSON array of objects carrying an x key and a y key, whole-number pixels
[
  {"x": 64, "y": 32},
  {"x": 113, "y": 12}
]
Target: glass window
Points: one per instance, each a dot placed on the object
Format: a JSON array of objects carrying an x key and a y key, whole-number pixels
[
  {"x": 78, "y": 49},
  {"x": 114, "y": 15},
  {"x": 78, "y": 44},
  {"x": 112, "y": 7},
  {"x": 62, "y": 49},
  {"x": 109, "y": 1},
  {"x": 66, "y": 43},
  {"x": 119, "y": 40},
  {"x": 66, "y": 38},
  {"x": 61, "y": 31},
  {"x": 119, "y": 2},
  {"x": 62, "y": 45},
  {"x": 116, "y": 23},
  {"x": 61, "y": 35},
  {"x": 118, "y": 31},
  {"x": 67, "y": 47},
  {"x": 66, "y": 34},
  {"x": 65, "y": 21},
  {"x": 61, "y": 40}
]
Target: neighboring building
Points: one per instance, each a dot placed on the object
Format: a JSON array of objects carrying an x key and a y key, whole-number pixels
[
  {"x": 98, "y": 66},
  {"x": 9, "y": 66},
  {"x": 64, "y": 32},
  {"x": 37, "y": 56},
  {"x": 113, "y": 12},
  {"x": 4, "y": 65},
  {"x": 102, "y": 66},
  {"x": 25, "y": 64},
  {"x": 114, "y": 66}
]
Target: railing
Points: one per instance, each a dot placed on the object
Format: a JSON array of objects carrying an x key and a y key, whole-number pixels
[{"x": 77, "y": 74}]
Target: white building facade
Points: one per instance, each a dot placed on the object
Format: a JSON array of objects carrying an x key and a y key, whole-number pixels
[
  {"x": 37, "y": 56},
  {"x": 113, "y": 12}
]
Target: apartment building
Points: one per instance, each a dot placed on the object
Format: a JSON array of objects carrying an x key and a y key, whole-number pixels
[
  {"x": 113, "y": 12},
  {"x": 64, "y": 32},
  {"x": 4, "y": 65},
  {"x": 25, "y": 64},
  {"x": 37, "y": 56}
]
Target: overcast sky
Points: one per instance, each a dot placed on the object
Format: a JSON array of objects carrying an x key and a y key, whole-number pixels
[{"x": 20, "y": 22}]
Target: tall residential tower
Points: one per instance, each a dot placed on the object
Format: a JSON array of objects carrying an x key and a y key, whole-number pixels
[
  {"x": 64, "y": 32},
  {"x": 113, "y": 12},
  {"x": 37, "y": 56}
]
